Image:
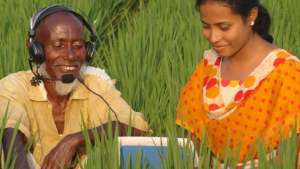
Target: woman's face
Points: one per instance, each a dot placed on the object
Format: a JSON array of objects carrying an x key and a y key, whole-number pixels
[{"x": 225, "y": 30}]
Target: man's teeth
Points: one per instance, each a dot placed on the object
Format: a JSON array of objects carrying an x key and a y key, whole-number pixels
[{"x": 69, "y": 67}]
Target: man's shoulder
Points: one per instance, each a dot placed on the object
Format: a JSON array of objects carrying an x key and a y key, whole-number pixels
[
  {"x": 97, "y": 78},
  {"x": 96, "y": 73},
  {"x": 15, "y": 84},
  {"x": 17, "y": 77}
]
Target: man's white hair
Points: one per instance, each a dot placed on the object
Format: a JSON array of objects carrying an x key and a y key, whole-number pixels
[{"x": 61, "y": 88}]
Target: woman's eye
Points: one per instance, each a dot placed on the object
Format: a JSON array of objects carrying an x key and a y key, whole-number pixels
[
  {"x": 205, "y": 26},
  {"x": 225, "y": 27}
]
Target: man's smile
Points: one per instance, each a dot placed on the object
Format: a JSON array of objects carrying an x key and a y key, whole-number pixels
[{"x": 68, "y": 67}]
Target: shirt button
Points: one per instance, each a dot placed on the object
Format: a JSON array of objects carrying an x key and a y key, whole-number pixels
[{"x": 60, "y": 135}]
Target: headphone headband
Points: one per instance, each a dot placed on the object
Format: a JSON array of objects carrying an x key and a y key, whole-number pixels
[
  {"x": 43, "y": 13},
  {"x": 36, "y": 50}
]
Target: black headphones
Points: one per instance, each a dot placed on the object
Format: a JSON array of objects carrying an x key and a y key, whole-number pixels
[{"x": 36, "y": 50}]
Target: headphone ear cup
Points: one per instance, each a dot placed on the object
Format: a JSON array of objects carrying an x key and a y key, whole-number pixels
[
  {"x": 36, "y": 52},
  {"x": 90, "y": 50}
]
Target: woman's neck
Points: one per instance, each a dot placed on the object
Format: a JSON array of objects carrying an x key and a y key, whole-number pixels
[
  {"x": 241, "y": 64},
  {"x": 255, "y": 48}
]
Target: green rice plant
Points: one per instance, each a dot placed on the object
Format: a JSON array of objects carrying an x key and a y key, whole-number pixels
[
  {"x": 182, "y": 156},
  {"x": 151, "y": 53},
  {"x": 10, "y": 159},
  {"x": 288, "y": 150},
  {"x": 151, "y": 49},
  {"x": 285, "y": 28},
  {"x": 104, "y": 154}
]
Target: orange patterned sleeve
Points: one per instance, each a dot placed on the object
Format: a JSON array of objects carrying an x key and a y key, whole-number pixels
[{"x": 190, "y": 106}]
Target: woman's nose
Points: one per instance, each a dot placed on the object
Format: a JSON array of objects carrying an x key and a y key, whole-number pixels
[{"x": 214, "y": 36}]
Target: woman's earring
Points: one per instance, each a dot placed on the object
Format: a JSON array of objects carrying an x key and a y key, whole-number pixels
[{"x": 252, "y": 23}]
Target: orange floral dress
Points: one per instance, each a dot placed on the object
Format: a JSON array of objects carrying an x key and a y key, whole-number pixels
[{"x": 236, "y": 113}]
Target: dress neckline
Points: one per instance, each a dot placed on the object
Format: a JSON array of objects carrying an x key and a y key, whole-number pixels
[
  {"x": 213, "y": 99},
  {"x": 241, "y": 80}
]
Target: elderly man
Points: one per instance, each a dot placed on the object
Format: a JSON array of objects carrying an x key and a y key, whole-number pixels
[{"x": 52, "y": 101}]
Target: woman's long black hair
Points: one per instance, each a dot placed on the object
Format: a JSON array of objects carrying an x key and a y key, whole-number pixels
[{"x": 243, "y": 8}]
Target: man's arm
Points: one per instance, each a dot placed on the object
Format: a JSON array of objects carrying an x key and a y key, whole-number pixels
[
  {"x": 63, "y": 153},
  {"x": 18, "y": 148},
  {"x": 121, "y": 128},
  {"x": 103, "y": 131}
]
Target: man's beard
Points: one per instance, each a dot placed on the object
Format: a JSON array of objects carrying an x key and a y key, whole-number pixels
[{"x": 61, "y": 88}]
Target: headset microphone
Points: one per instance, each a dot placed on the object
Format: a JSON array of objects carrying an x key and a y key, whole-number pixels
[{"x": 67, "y": 78}]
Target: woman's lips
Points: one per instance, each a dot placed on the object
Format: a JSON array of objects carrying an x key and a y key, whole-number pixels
[{"x": 219, "y": 48}]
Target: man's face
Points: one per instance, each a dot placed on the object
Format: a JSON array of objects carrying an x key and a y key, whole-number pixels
[{"x": 62, "y": 37}]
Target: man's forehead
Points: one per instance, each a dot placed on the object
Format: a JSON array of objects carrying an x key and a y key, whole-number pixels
[
  {"x": 62, "y": 17},
  {"x": 58, "y": 23}
]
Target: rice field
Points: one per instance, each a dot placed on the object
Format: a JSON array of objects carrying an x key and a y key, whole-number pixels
[{"x": 150, "y": 48}]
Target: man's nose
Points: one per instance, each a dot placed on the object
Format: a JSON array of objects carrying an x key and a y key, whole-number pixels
[{"x": 70, "y": 54}]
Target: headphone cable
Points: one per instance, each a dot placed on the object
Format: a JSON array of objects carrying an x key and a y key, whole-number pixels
[
  {"x": 102, "y": 98},
  {"x": 37, "y": 78}
]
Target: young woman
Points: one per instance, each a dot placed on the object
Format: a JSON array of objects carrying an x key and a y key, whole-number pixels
[{"x": 245, "y": 87}]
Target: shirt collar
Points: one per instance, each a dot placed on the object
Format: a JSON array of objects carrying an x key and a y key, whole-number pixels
[{"x": 39, "y": 93}]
